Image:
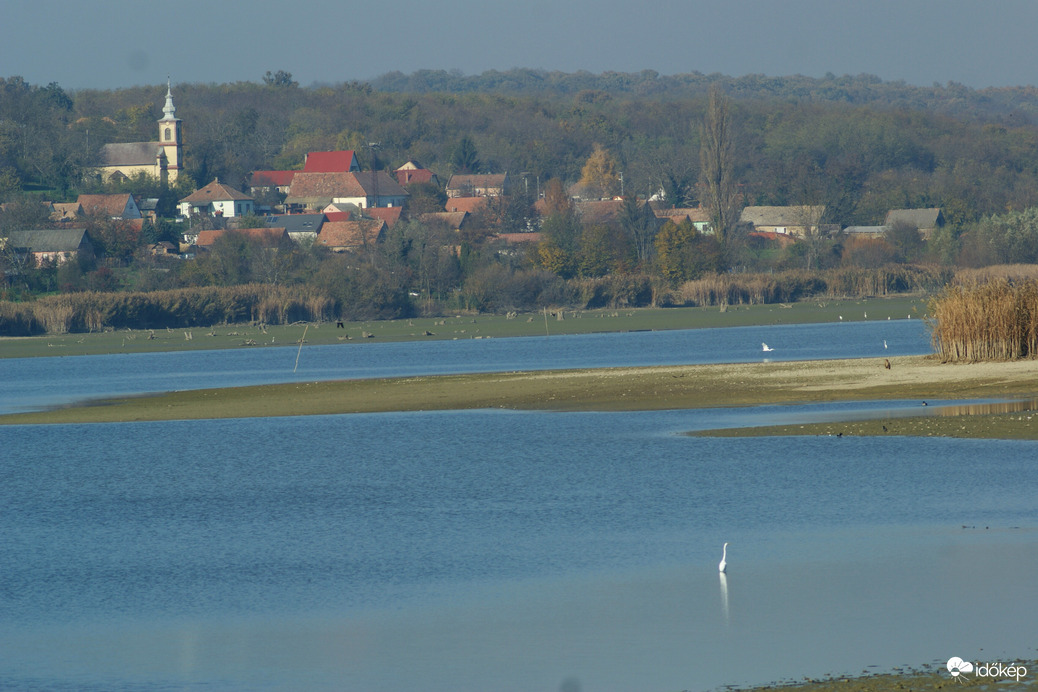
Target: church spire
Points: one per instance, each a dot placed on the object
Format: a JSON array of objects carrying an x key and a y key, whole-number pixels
[{"x": 169, "y": 109}]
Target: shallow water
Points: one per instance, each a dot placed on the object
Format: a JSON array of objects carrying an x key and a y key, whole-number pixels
[
  {"x": 503, "y": 550},
  {"x": 33, "y": 383}
]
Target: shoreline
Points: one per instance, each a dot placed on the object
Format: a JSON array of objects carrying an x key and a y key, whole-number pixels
[{"x": 612, "y": 389}]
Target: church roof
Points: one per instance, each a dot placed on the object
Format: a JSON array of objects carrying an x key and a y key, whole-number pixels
[{"x": 130, "y": 154}]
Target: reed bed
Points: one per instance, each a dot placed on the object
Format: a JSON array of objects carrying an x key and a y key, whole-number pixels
[
  {"x": 789, "y": 286},
  {"x": 996, "y": 320},
  {"x": 188, "y": 307}
]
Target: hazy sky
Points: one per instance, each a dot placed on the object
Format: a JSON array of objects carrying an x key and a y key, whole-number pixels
[{"x": 116, "y": 43}]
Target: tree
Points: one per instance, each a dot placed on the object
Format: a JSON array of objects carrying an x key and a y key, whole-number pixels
[
  {"x": 640, "y": 224},
  {"x": 906, "y": 240},
  {"x": 717, "y": 165},
  {"x": 676, "y": 252},
  {"x": 599, "y": 177},
  {"x": 281, "y": 78},
  {"x": 465, "y": 158}
]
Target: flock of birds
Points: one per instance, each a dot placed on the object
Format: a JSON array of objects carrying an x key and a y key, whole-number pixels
[{"x": 769, "y": 349}]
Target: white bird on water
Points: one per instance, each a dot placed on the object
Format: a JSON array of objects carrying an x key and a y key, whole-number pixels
[
  {"x": 723, "y": 567},
  {"x": 766, "y": 347}
]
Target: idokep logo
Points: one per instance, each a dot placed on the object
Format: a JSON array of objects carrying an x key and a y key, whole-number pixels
[{"x": 958, "y": 668}]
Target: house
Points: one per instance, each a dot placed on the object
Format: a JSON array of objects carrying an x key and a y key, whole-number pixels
[
  {"x": 270, "y": 181},
  {"x": 865, "y": 231},
  {"x": 798, "y": 221},
  {"x": 484, "y": 185},
  {"x": 120, "y": 207},
  {"x": 216, "y": 199},
  {"x": 330, "y": 162},
  {"x": 65, "y": 212},
  {"x": 163, "y": 159},
  {"x": 300, "y": 227},
  {"x": 414, "y": 172},
  {"x": 388, "y": 214},
  {"x": 454, "y": 220},
  {"x": 470, "y": 205},
  {"x": 605, "y": 212},
  {"x": 345, "y": 236},
  {"x": 697, "y": 216},
  {"x": 58, "y": 245},
  {"x": 267, "y": 236},
  {"x": 363, "y": 189},
  {"x": 926, "y": 220}
]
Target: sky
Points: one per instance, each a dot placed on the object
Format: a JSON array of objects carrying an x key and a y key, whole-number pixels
[{"x": 106, "y": 44}]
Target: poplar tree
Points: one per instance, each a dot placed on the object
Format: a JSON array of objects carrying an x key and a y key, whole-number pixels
[{"x": 717, "y": 161}]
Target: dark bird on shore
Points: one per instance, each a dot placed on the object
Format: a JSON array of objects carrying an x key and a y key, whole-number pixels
[{"x": 886, "y": 363}]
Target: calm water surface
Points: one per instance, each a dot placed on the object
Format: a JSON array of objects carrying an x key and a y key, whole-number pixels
[
  {"x": 31, "y": 383},
  {"x": 504, "y": 550}
]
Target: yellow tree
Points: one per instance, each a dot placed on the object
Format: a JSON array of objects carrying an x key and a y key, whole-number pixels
[{"x": 599, "y": 177}]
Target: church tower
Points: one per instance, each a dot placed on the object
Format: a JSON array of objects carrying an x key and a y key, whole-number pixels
[{"x": 171, "y": 138}]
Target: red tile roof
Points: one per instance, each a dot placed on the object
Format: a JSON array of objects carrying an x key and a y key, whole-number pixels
[
  {"x": 330, "y": 162},
  {"x": 344, "y": 235},
  {"x": 388, "y": 214},
  {"x": 271, "y": 178},
  {"x": 265, "y": 235},
  {"x": 469, "y": 204},
  {"x": 106, "y": 205}
]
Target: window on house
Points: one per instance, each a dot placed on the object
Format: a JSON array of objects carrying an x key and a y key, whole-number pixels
[{"x": 168, "y": 133}]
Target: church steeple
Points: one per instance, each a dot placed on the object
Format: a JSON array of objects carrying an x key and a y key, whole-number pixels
[
  {"x": 170, "y": 136},
  {"x": 169, "y": 109}
]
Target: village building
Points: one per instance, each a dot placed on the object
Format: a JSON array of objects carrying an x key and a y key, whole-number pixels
[
  {"x": 799, "y": 221},
  {"x": 118, "y": 206},
  {"x": 216, "y": 199},
  {"x": 267, "y": 236},
  {"x": 300, "y": 227},
  {"x": 163, "y": 159},
  {"x": 413, "y": 172},
  {"x": 363, "y": 189},
  {"x": 483, "y": 185},
  {"x": 58, "y": 245},
  {"x": 926, "y": 220},
  {"x": 697, "y": 216},
  {"x": 346, "y": 236},
  {"x": 331, "y": 162}
]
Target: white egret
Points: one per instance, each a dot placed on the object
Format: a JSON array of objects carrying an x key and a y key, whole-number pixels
[
  {"x": 766, "y": 347},
  {"x": 884, "y": 343},
  {"x": 723, "y": 567}
]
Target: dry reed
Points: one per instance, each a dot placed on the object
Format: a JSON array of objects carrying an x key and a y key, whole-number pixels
[{"x": 980, "y": 321}]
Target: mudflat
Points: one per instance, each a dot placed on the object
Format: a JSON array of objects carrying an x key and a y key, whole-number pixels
[{"x": 606, "y": 389}]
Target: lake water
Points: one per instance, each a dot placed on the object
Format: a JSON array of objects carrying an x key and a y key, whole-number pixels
[
  {"x": 502, "y": 550},
  {"x": 29, "y": 383}
]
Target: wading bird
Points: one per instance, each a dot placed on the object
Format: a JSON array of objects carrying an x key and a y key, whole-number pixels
[{"x": 723, "y": 567}]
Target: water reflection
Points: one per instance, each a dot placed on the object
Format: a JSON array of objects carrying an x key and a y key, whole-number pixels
[
  {"x": 987, "y": 407},
  {"x": 724, "y": 598}
]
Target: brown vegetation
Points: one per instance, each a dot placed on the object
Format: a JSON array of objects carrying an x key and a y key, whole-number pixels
[
  {"x": 994, "y": 320},
  {"x": 789, "y": 286},
  {"x": 187, "y": 307}
]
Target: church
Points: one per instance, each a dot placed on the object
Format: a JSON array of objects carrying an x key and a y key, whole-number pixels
[{"x": 163, "y": 159}]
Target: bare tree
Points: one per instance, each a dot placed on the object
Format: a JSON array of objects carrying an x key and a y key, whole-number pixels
[{"x": 717, "y": 162}]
